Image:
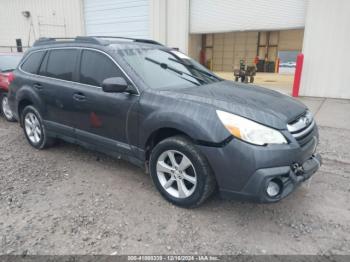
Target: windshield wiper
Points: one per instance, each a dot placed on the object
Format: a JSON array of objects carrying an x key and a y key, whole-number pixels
[
  {"x": 195, "y": 68},
  {"x": 178, "y": 72}
]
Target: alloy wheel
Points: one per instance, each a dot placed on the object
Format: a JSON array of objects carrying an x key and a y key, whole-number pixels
[
  {"x": 6, "y": 108},
  {"x": 176, "y": 174},
  {"x": 32, "y": 128}
]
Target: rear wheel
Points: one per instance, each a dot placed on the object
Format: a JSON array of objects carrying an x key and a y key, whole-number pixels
[
  {"x": 33, "y": 128},
  {"x": 181, "y": 173},
  {"x": 5, "y": 108}
]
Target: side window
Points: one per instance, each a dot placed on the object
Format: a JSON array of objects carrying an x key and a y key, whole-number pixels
[
  {"x": 96, "y": 67},
  {"x": 61, "y": 64},
  {"x": 43, "y": 65},
  {"x": 32, "y": 63}
]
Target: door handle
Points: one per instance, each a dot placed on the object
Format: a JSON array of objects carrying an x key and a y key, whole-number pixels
[
  {"x": 38, "y": 86},
  {"x": 79, "y": 97}
]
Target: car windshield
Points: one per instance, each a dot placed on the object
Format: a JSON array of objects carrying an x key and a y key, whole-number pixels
[
  {"x": 9, "y": 62},
  {"x": 167, "y": 68}
]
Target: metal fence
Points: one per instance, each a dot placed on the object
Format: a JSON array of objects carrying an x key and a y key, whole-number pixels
[{"x": 12, "y": 49}]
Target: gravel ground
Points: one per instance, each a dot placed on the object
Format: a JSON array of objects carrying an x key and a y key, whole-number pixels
[{"x": 67, "y": 200}]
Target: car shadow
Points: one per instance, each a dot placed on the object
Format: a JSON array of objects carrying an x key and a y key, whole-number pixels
[{"x": 215, "y": 204}]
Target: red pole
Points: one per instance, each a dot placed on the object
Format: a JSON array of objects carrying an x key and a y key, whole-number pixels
[{"x": 297, "y": 75}]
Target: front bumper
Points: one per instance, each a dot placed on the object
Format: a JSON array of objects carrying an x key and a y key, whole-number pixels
[
  {"x": 243, "y": 171},
  {"x": 291, "y": 178}
]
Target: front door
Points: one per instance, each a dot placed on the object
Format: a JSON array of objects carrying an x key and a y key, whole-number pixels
[{"x": 103, "y": 117}]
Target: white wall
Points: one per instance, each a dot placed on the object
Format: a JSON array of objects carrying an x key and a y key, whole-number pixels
[
  {"x": 166, "y": 21},
  {"x": 326, "y": 49},
  {"x": 61, "y": 18},
  {"x": 216, "y": 16},
  {"x": 170, "y": 23},
  {"x": 158, "y": 25}
]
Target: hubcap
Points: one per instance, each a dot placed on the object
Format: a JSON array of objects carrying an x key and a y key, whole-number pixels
[
  {"x": 32, "y": 128},
  {"x": 6, "y": 108},
  {"x": 176, "y": 174}
]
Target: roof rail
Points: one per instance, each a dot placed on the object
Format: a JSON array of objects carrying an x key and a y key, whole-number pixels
[
  {"x": 139, "y": 40},
  {"x": 97, "y": 40},
  {"x": 58, "y": 40}
]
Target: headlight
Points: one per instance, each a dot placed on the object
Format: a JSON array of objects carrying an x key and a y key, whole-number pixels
[{"x": 250, "y": 131}]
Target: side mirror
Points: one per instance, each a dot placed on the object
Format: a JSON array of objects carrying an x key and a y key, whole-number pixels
[{"x": 114, "y": 85}]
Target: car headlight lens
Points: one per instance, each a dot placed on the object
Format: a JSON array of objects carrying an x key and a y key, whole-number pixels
[{"x": 250, "y": 131}]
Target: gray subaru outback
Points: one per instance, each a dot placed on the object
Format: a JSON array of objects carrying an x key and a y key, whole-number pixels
[{"x": 157, "y": 108}]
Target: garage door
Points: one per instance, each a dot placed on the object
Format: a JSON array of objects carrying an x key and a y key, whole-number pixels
[
  {"x": 129, "y": 18},
  {"x": 291, "y": 40},
  {"x": 230, "y": 48},
  {"x": 215, "y": 16}
]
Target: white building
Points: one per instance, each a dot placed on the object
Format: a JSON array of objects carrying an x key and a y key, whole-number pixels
[
  {"x": 30, "y": 19},
  {"x": 227, "y": 31}
]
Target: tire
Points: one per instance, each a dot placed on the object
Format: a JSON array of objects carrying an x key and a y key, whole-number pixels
[
  {"x": 197, "y": 180},
  {"x": 34, "y": 130},
  {"x": 5, "y": 109}
]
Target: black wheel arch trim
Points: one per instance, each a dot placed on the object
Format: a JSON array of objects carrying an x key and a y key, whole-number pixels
[
  {"x": 213, "y": 144},
  {"x": 190, "y": 126},
  {"x": 27, "y": 93}
]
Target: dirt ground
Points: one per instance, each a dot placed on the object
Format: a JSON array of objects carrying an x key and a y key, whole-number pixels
[{"x": 66, "y": 200}]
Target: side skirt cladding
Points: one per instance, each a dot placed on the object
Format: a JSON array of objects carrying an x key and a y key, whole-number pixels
[{"x": 93, "y": 142}]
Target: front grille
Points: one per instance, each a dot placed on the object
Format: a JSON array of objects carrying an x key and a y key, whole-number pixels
[{"x": 302, "y": 128}]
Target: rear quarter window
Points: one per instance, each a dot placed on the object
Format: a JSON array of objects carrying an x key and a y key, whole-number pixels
[{"x": 32, "y": 63}]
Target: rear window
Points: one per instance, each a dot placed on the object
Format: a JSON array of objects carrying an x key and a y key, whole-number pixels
[
  {"x": 32, "y": 63},
  {"x": 61, "y": 64}
]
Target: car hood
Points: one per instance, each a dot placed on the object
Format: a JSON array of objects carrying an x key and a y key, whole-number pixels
[{"x": 262, "y": 105}]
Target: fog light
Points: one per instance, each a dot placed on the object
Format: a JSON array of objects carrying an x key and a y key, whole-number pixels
[{"x": 273, "y": 188}]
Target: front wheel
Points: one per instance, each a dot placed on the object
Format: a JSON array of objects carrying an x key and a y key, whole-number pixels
[
  {"x": 181, "y": 173},
  {"x": 5, "y": 108}
]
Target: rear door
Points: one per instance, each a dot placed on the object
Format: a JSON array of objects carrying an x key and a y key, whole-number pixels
[
  {"x": 30, "y": 67},
  {"x": 59, "y": 71}
]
